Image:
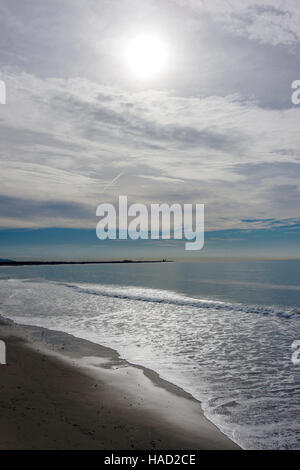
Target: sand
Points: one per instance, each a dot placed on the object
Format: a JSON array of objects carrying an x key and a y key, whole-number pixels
[{"x": 62, "y": 392}]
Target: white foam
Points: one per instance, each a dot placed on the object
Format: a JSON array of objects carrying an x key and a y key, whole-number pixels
[{"x": 234, "y": 358}]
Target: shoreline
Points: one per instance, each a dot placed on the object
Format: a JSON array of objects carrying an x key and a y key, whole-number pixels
[{"x": 70, "y": 393}]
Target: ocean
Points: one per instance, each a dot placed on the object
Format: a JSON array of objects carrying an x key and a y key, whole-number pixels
[{"x": 222, "y": 331}]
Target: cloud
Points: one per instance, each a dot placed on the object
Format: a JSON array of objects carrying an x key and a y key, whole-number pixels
[
  {"x": 219, "y": 127},
  {"x": 68, "y": 139},
  {"x": 273, "y": 224},
  {"x": 14, "y": 210},
  {"x": 271, "y": 22},
  {"x": 216, "y": 47}
]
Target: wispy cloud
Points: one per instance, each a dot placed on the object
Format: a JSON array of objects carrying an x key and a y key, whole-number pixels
[
  {"x": 63, "y": 141},
  {"x": 218, "y": 129},
  {"x": 269, "y": 21}
]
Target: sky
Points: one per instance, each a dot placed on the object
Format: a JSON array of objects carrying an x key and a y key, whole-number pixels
[{"x": 216, "y": 126}]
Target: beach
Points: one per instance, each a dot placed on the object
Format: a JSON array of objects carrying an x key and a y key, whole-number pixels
[{"x": 61, "y": 392}]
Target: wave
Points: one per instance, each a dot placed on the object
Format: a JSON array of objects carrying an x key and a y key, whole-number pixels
[
  {"x": 234, "y": 358},
  {"x": 173, "y": 298}
]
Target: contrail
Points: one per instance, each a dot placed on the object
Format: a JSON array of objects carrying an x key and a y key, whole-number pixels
[{"x": 112, "y": 182}]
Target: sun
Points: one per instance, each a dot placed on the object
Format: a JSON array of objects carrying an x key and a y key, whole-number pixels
[{"x": 146, "y": 56}]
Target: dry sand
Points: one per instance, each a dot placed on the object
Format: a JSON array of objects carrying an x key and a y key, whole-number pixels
[{"x": 61, "y": 392}]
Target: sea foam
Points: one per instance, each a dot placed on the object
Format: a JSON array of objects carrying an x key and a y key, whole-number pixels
[{"x": 234, "y": 358}]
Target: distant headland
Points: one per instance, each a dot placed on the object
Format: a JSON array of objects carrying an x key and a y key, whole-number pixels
[{"x": 7, "y": 262}]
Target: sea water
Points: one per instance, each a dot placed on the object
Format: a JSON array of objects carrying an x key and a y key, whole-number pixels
[{"x": 221, "y": 331}]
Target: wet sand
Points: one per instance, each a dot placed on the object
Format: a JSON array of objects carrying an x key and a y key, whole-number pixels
[{"x": 61, "y": 392}]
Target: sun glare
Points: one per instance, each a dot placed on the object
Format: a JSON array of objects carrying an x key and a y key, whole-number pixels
[{"x": 146, "y": 56}]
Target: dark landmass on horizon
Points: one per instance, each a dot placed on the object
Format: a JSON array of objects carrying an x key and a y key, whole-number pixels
[
  {"x": 10, "y": 262},
  {"x": 40, "y": 263}
]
